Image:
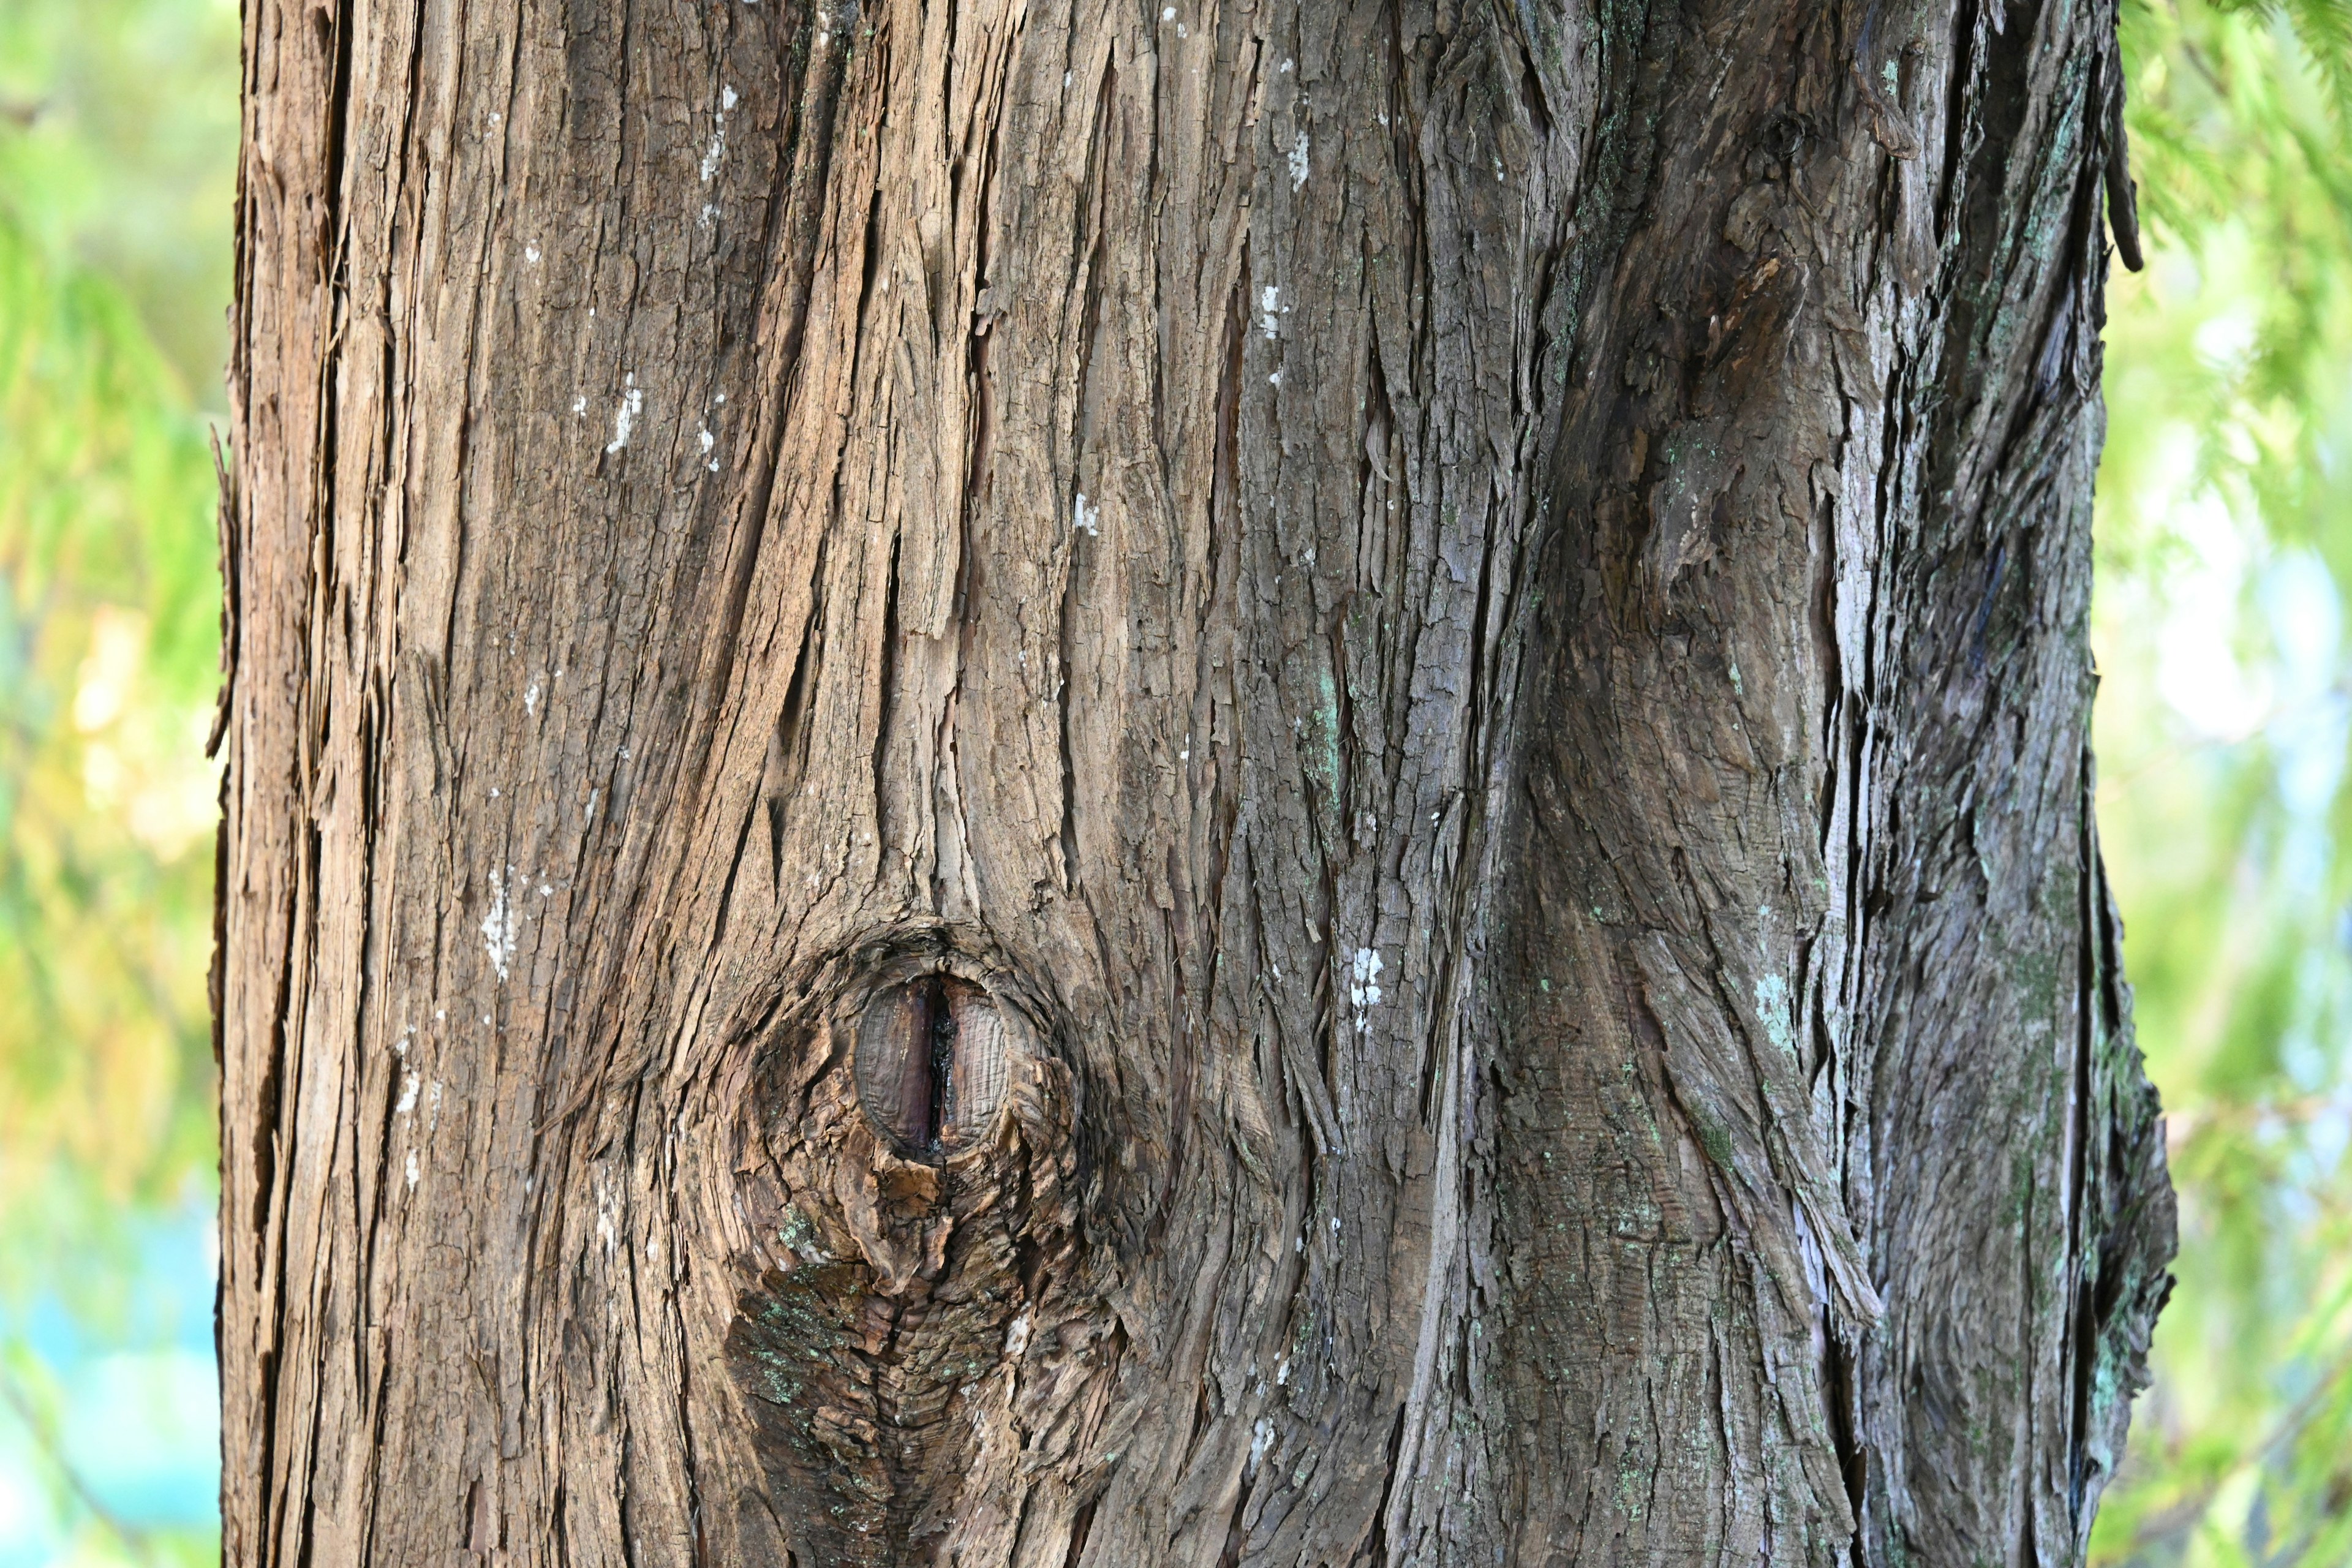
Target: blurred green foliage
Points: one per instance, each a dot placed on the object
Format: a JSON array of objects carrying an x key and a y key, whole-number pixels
[
  {"x": 2225, "y": 540},
  {"x": 119, "y": 155},
  {"x": 108, "y": 641},
  {"x": 118, "y": 133},
  {"x": 108, "y": 628}
]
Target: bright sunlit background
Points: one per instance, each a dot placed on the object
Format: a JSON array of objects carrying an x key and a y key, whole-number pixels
[{"x": 2224, "y": 725}]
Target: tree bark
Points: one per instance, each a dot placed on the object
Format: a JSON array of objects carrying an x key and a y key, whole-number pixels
[{"x": 1209, "y": 783}]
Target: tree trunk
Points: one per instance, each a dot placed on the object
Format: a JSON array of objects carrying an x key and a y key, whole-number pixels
[{"x": 1187, "y": 784}]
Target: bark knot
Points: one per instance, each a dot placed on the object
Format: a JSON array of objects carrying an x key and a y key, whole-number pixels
[{"x": 920, "y": 1308}]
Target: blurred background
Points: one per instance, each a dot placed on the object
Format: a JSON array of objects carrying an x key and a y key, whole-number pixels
[
  {"x": 118, "y": 169},
  {"x": 2224, "y": 725}
]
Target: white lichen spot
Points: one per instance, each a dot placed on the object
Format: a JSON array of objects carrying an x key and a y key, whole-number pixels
[
  {"x": 1275, "y": 379},
  {"x": 407, "y": 1095},
  {"x": 1088, "y": 518},
  {"x": 1181, "y": 31},
  {"x": 531, "y": 254},
  {"x": 706, "y": 438},
  {"x": 1261, "y": 1439},
  {"x": 718, "y": 149},
  {"x": 624, "y": 417},
  {"x": 1269, "y": 311},
  {"x": 411, "y": 1169},
  {"x": 498, "y": 927},
  {"x": 1168, "y": 14},
  {"x": 1016, "y": 1338},
  {"x": 1363, "y": 984},
  {"x": 530, "y": 701},
  {"x": 1298, "y": 161},
  {"x": 580, "y": 406},
  {"x": 433, "y": 1106},
  {"x": 1283, "y": 68}
]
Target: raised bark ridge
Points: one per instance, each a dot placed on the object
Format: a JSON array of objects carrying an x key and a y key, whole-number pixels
[{"x": 1464, "y": 623}]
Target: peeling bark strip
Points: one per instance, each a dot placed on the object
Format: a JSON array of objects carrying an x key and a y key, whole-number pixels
[{"x": 1211, "y": 784}]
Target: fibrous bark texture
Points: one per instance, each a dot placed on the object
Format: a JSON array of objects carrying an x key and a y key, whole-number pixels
[{"x": 1206, "y": 783}]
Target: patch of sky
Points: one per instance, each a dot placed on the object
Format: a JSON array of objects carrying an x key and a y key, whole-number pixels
[{"x": 113, "y": 1408}]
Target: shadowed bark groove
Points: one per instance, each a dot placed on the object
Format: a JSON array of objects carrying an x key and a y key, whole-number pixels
[{"x": 1220, "y": 783}]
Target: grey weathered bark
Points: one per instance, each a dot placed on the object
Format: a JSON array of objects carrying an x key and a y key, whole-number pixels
[{"x": 1200, "y": 783}]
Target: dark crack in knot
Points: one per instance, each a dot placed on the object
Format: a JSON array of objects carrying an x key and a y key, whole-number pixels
[{"x": 932, "y": 1065}]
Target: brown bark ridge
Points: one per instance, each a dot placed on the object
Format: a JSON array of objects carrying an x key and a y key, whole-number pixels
[{"x": 1198, "y": 784}]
